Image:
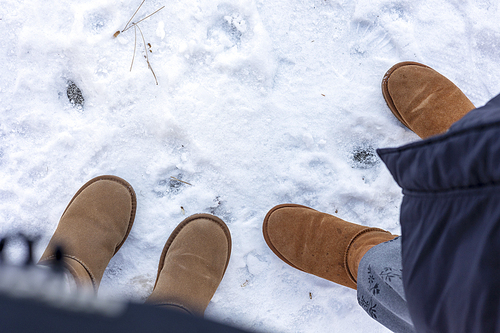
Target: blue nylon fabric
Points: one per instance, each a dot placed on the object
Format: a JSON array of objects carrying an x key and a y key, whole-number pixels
[{"x": 450, "y": 220}]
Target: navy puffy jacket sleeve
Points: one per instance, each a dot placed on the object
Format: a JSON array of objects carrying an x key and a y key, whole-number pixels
[{"x": 450, "y": 219}]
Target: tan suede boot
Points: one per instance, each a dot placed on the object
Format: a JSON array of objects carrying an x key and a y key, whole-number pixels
[
  {"x": 93, "y": 228},
  {"x": 319, "y": 243},
  {"x": 192, "y": 264},
  {"x": 422, "y": 99}
]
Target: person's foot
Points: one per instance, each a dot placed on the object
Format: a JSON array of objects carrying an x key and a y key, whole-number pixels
[
  {"x": 422, "y": 99},
  {"x": 192, "y": 264},
  {"x": 92, "y": 229},
  {"x": 319, "y": 243}
]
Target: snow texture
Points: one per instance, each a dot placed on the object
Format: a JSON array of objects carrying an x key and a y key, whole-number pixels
[{"x": 258, "y": 103}]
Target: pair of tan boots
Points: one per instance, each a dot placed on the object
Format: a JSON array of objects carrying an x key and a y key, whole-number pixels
[
  {"x": 98, "y": 220},
  {"x": 100, "y": 216}
]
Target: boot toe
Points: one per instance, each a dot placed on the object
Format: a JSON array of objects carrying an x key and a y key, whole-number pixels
[
  {"x": 108, "y": 204},
  {"x": 308, "y": 240},
  {"x": 422, "y": 99},
  {"x": 283, "y": 232},
  {"x": 192, "y": 264}
]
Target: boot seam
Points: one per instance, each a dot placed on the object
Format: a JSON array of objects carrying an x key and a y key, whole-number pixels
[
  {"x": 174, "y": 305},
  {"x": 92, "y": 278}
]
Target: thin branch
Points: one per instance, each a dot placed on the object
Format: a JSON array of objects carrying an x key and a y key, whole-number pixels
[
  {"x": 146, "y": 50},
  {"x": 144, "y": 18},
  {"x": 172, "y": 177},
  {"x": 144, "y": 43},
  {"x": 135, "y": 46},
  {"x": 126, "y": 25}
]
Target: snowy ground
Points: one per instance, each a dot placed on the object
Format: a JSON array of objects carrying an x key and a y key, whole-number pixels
[{"x": 258, "y": 103}]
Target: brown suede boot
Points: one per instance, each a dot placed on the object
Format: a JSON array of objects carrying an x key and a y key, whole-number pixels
[
  {"x": 422, "y": 99},
  {"x": 93, "y": 228},
  {"x": 319, "y": 243},
  {"x": 192, "y": 264}
]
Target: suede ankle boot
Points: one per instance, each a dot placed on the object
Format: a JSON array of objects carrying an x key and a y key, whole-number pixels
[
  {"x": 422, "y": 99},
  {"x": 93, "y": 228},
  {"x": 192, "y": 264},
  {"x": 319, "y": 243}
]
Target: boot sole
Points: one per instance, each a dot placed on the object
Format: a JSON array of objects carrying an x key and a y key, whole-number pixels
[
  {"x": 385, "y": 90},
  {"x": 178, "y": 229},
  {"x": 133, "y": 199}
]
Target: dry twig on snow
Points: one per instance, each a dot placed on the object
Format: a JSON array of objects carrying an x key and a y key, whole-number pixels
[{"x": 136, "y": 26}]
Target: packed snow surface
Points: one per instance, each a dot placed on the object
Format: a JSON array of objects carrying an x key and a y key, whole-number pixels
[{"x": 258, "y": 103}]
